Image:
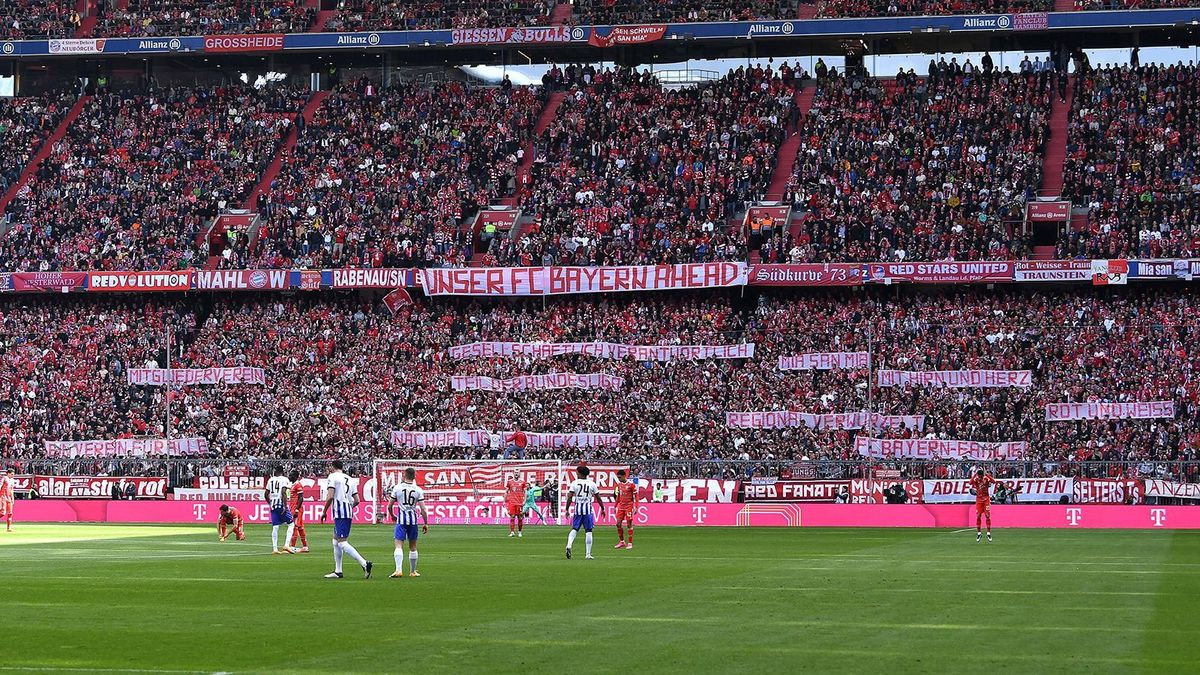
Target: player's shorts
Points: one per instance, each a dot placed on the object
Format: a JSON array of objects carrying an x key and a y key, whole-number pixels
[
  {"x": 624, "y": 514},
  {"x": 406, "y": 532},
  {"x": 341, "y": 527},
  {"x": 6, "y": 508},
  {"x": 281, "y": 516},
  {"x": 585, "y": 522},
  {"x": 297, "y": 516},
  {"x": 529, "y": 506},
  {"x": 514, "y": 510},
  {"x": 983, "y": 506}
]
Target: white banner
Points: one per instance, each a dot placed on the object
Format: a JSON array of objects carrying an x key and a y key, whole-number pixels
[
  {"x": 441, "y": 439},
  {"x": 1028, "y": 490},
  {"x": 531, "y": 382},
  {"x": 1162, "y": 488},
  {"x": 601, "y": 350},
  {"x": 127, "y": 447},
  {"x": 157, "y": 377},
  {"x": 932, "y": 448},
  {"x": 564, "y": 280},
  {"x": 781, "y": 419},
  {"x": 825, "y": 361},
  {"x": 956, "y": 378},
  {"x": 1099, "y": 410},
  {"x": 578, "y": 440}
]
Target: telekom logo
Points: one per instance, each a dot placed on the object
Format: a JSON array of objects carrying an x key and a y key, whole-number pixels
[
  {"x": 699, "y": 513},
  {"x": 1074, "y": 515},
  {"x": 1158, "y": 516},
  {"x": 199, "y": 511}
]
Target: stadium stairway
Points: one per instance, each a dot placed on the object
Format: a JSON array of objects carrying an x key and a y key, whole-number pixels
[
  {"x": 786, "y": 159},
  {"x": 44, "y": 151},
  {"x": 1064, "y": 5},
  {"x": 806, "y": 11},
  {"x": 87, "y": 10},
  {"x": 561, "y": 14},
  {"x": 323, "y": 18},
  {"x": 1043, "y": 253},
  {"x": 272, "y": 170},
  {"x": 1056, "y": 146}
]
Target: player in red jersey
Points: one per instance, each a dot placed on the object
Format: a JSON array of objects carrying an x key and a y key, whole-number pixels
[
  {"x": 230, "y": 517},
  {"x": 6, "y": 497},
  {"x": 981, "y": 487},
  {"x": 514, "y": 498},
  {"x": 296, "y": 505},
  {"x": 627, "y": 500}
]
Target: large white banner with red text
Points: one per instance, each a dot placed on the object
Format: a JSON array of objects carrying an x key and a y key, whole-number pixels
[
  {"x": 1027, "y": 490},
  {"x": 565, "y": 280},
  {"x": 575, "y": 440},
  {"x": 1169, "y": 489},
  {"x": 157, "y": 377},
  {"x": 933, "y": 448},
  {"x": 825, "y": 361},
  {"x": 956, "y": 378},
  {"x": 1099, "y": 410},
  {"x": 128, "y": 447},
  {"x": 535, "y": 382},
  {"x": 782, "y": 419},
  {"x": 601, "y": 350},
  {"x": 441, "y": 439}
]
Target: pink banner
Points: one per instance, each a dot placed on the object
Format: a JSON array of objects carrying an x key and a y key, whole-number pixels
[
  {"x": 956, "y": 378},
  {"x": 942, "y": 272},
  {"x": 157, "y": 377},
  {"x": 565, "y": 280},
  {"x": 825, "y": 361},
  {"x": 1053, "y": 270},
  {"x": 576, "y": 440},
  {"x": 932, "y": 448},
  {"x": 948, "y": 516},
  {"x": 60, "y": 282},
  {"x": 441, "y": 439},
  {"x": 601, "y": 350},
  {"x": 534, "y": 382},
  {"x": 782, "y": 419},
  {"x": 1098, "y": 410},
  {"x": 128, "y": 447},
  {"x": 241, "y": 280},
  {"x": 811, "y": 274}
]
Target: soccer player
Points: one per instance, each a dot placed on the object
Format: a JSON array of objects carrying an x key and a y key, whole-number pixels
[
  {"x": 411, "y": 500},
  {"x": 514, "y": 497},
  {"x": 581, "y": 494},
  {"x": 531, "y": 497},
  {"x": 230, "y": 517},
  {"x": 341, "y": 500},
  {"x": 981, "y": 486},
  {"x": 6, "y": 497},
  {"x": 626, "y": 496},
  {"x": 296, "y": 506},
  {"x": 276, "y": 494}
]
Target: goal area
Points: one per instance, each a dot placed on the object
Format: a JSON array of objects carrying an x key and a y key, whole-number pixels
[{"x": 467, "y": 492}]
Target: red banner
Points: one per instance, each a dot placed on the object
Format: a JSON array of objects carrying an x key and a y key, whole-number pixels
[
  {"x": 1102, "y": 491},
  {"x": 1110, "y": 272},
  {"x": 831, "y": 274},
  {"x": 501, "y": 36},
  {"x": 268, "y": 42},
  {"x": 627, "y": 35},
  {"x": 942, "y": 272},
  {"x": 794, "y": 490},
  {"x": 871, "y": 491},
  {"x": 139, "y": 281},
  {"x": 1045, "y": 212},
  {"x": 241, "y": 280},
  {"x": 1053, "y": 270},
  {"x": 96, "y": 487},
  {"x": 59, "y": 282},
  {"x": 565, "y": 280}
]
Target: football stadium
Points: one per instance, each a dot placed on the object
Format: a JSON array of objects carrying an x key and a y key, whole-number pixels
[{"x": 344, "y": 336}]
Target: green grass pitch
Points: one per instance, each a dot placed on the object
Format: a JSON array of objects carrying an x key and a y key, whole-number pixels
[{"x": 84, "y": 598}]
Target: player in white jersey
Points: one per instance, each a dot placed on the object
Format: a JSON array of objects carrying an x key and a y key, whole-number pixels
[
  {"x": 580, "y": 497},
  {"x": 276, "y": 494},
  {"x": 341, "y": 500},
  {"x": 411, "y": 501}
]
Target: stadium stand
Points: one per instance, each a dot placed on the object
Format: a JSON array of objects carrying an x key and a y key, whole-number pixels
[
  {"x": 847, "y": 8},
  {"x": 29, "y": 19},
  {"x": 25, "y": 124},
  {"x": 146, "y": 18},
  {"x": 359, "y": 15}
]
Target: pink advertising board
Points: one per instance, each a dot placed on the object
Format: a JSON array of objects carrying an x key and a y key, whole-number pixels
[{"x": 757, "y": 515}]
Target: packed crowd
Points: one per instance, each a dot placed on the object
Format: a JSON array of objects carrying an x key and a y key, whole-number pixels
[
  {"x": 1133, "y": 157},
  {"x": 363, "y": 15},
  {"x": 28, "y": 19},
  {"x": 138, "y": 175},
  {"x": 917, "y": 168},
  {"x": 385, "y": 178},
  {"x": 847, "y": 8},
  {"x": 614, "y": 12},
  {"x": 632, "y": 172},
  {"x": 342, "y": 373},
  {"x": 25, "y": 124},
  {"x": 147, "y": 18}
]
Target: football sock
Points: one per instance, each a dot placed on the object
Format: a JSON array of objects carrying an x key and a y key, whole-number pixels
[
  {"x": 587, "y": 540},
  {"x": 337, "y": 556},
  {"x": 274, "y": 537},
  {"x": 630, "y": 539},
  {"x": 521, "y": 525},
  {"x": 412, "y": 561},
  {"x": 620, "y": 533},
  {"x": 571, "y": 538},
  {"x": 399, "y": 556},
  {"x": 989, "y": 524},
  {"x": 291, "y": 534},
  {"x": 353, "y": 553},
  {"x": 511, "y": 526}
]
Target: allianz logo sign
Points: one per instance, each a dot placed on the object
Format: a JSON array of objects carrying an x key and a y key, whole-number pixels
[
  {"x": 1002, "y": 22},
  {"x": 774, "y": 28}
]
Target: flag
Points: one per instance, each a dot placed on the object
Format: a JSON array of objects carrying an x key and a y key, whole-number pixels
[{"x": 397, "y": 299}]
